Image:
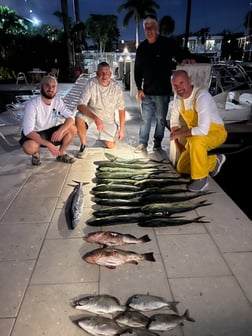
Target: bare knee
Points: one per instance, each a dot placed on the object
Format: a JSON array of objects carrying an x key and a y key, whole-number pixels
[{"x": 110, "y": 144}]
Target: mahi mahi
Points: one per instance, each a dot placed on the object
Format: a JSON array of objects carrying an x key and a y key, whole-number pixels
[
  {"x": 114, "y": 220},
  {"x": 170, "y": 221},
  {"x": 172, "y": 207}
]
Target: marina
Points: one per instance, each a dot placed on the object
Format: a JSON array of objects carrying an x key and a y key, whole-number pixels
[{"x": 206, "y": 267}]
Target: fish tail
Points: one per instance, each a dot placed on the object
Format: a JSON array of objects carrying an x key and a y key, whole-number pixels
[
  {"x": 173, "y": 306},
  {"x": 200, "y": 220},
  {"x": 145, "y": 239},
  {"x": 149, "y": 256},
  {"x": 187, "y": 316}
]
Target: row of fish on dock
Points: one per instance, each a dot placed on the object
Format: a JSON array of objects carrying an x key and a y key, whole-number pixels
[
  {"x": 147, "y": 193},
  {"x": 135, "y": 318}
]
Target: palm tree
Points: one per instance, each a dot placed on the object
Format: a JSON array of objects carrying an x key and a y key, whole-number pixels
[
  {"x": 137, "y": 9},
  {"x": 166, "y": 25},
  {"x": 103, "y": 29},
  {"x": 66, "y": 25}
]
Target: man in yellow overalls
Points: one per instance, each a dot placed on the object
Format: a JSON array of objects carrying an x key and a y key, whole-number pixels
[{"x": 203, "y": 131}]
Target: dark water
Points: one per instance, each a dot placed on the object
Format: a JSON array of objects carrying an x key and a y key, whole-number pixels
[{"x": 235, "y": 178}]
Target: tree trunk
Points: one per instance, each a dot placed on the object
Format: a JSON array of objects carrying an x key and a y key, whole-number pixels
[{"x": 64, "y": 10}]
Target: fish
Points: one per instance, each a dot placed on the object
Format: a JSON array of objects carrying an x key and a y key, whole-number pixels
[
  {"x": 115, "y": 210},
  {"x": 147, "y": 302},
  {"x": 118, "y": 202},
  {"x": 112, "y": 257},
  {"x": 117, "y": 164},
  {"x": 170, "y": 221},
  {"x": 74, "y": 205},
  {"x": 114, "y": 187},
  {"x": 164, "y": 322},
  {"x": 145, "y": 169},
  {"x": 137, "y": 332},
  {"x": 118, "y": 194},
  {"x": 131, "y": 318},
  {"x": 112, "y": 181},
  {"x": 129, "y": 218},
  {"x": 154, "y": 175},
  {"x": 98, "y": 304},
  {"x": 141, "y": 174},
  {"x": 172, "y": 207},
  {"x": 114, "y": 158},
  {"x": 147, "y": 183},
  {"x": 98, "y": 325},
  {"x": 170, "y": 189},
  {"x": 179, "y": 197},
  {"x": 111, "y": 238}
]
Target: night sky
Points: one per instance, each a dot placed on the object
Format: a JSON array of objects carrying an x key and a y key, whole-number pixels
[{"x": 217, "y": 15}]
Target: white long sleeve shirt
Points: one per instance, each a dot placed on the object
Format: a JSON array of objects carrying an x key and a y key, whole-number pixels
[
  {"x": 38, "y": 116},
  {"x": 205, "y": 106}
]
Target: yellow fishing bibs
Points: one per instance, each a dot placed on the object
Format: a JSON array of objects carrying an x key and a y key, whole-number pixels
[{"x": 195, "y": 160}]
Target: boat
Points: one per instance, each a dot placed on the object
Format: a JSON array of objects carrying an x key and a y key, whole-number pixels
[{"x": 230, "y": 85}]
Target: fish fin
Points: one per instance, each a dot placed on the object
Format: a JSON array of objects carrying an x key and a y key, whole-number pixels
[
  {"x": 187, "y": 316},
  {"x": 173, "y": 306},
  {"x": 200, "y": 220},
  {"x": 110, "y": 267},
  {"x": 149, "y": 256},
  {"x": 145, "y": 239}
]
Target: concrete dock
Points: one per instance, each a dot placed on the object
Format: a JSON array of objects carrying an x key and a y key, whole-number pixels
[{"x": 207, "y": 267}]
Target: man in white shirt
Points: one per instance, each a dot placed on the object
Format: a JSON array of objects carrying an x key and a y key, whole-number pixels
[
  {"x": 101, "y": 98},
  {"x": 203, "y": 131},
  {"x": 47, "y": 123}
]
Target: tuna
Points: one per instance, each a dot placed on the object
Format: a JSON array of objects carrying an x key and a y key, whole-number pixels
[{"x": 74, "y": 205}]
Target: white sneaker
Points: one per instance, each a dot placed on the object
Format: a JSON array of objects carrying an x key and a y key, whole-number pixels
[{"x": 140, "y": 149}]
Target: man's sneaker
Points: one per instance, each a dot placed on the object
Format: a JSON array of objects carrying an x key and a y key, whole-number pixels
[
  {"x": 157, "y": 146},
  {"x": 221, "y": 158},
  {"x": 35, "y": 160},
  {"x": 140, "y": 149},
  {"x": 82, "y": 152},
  {"x": 198, "y": 185}
]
